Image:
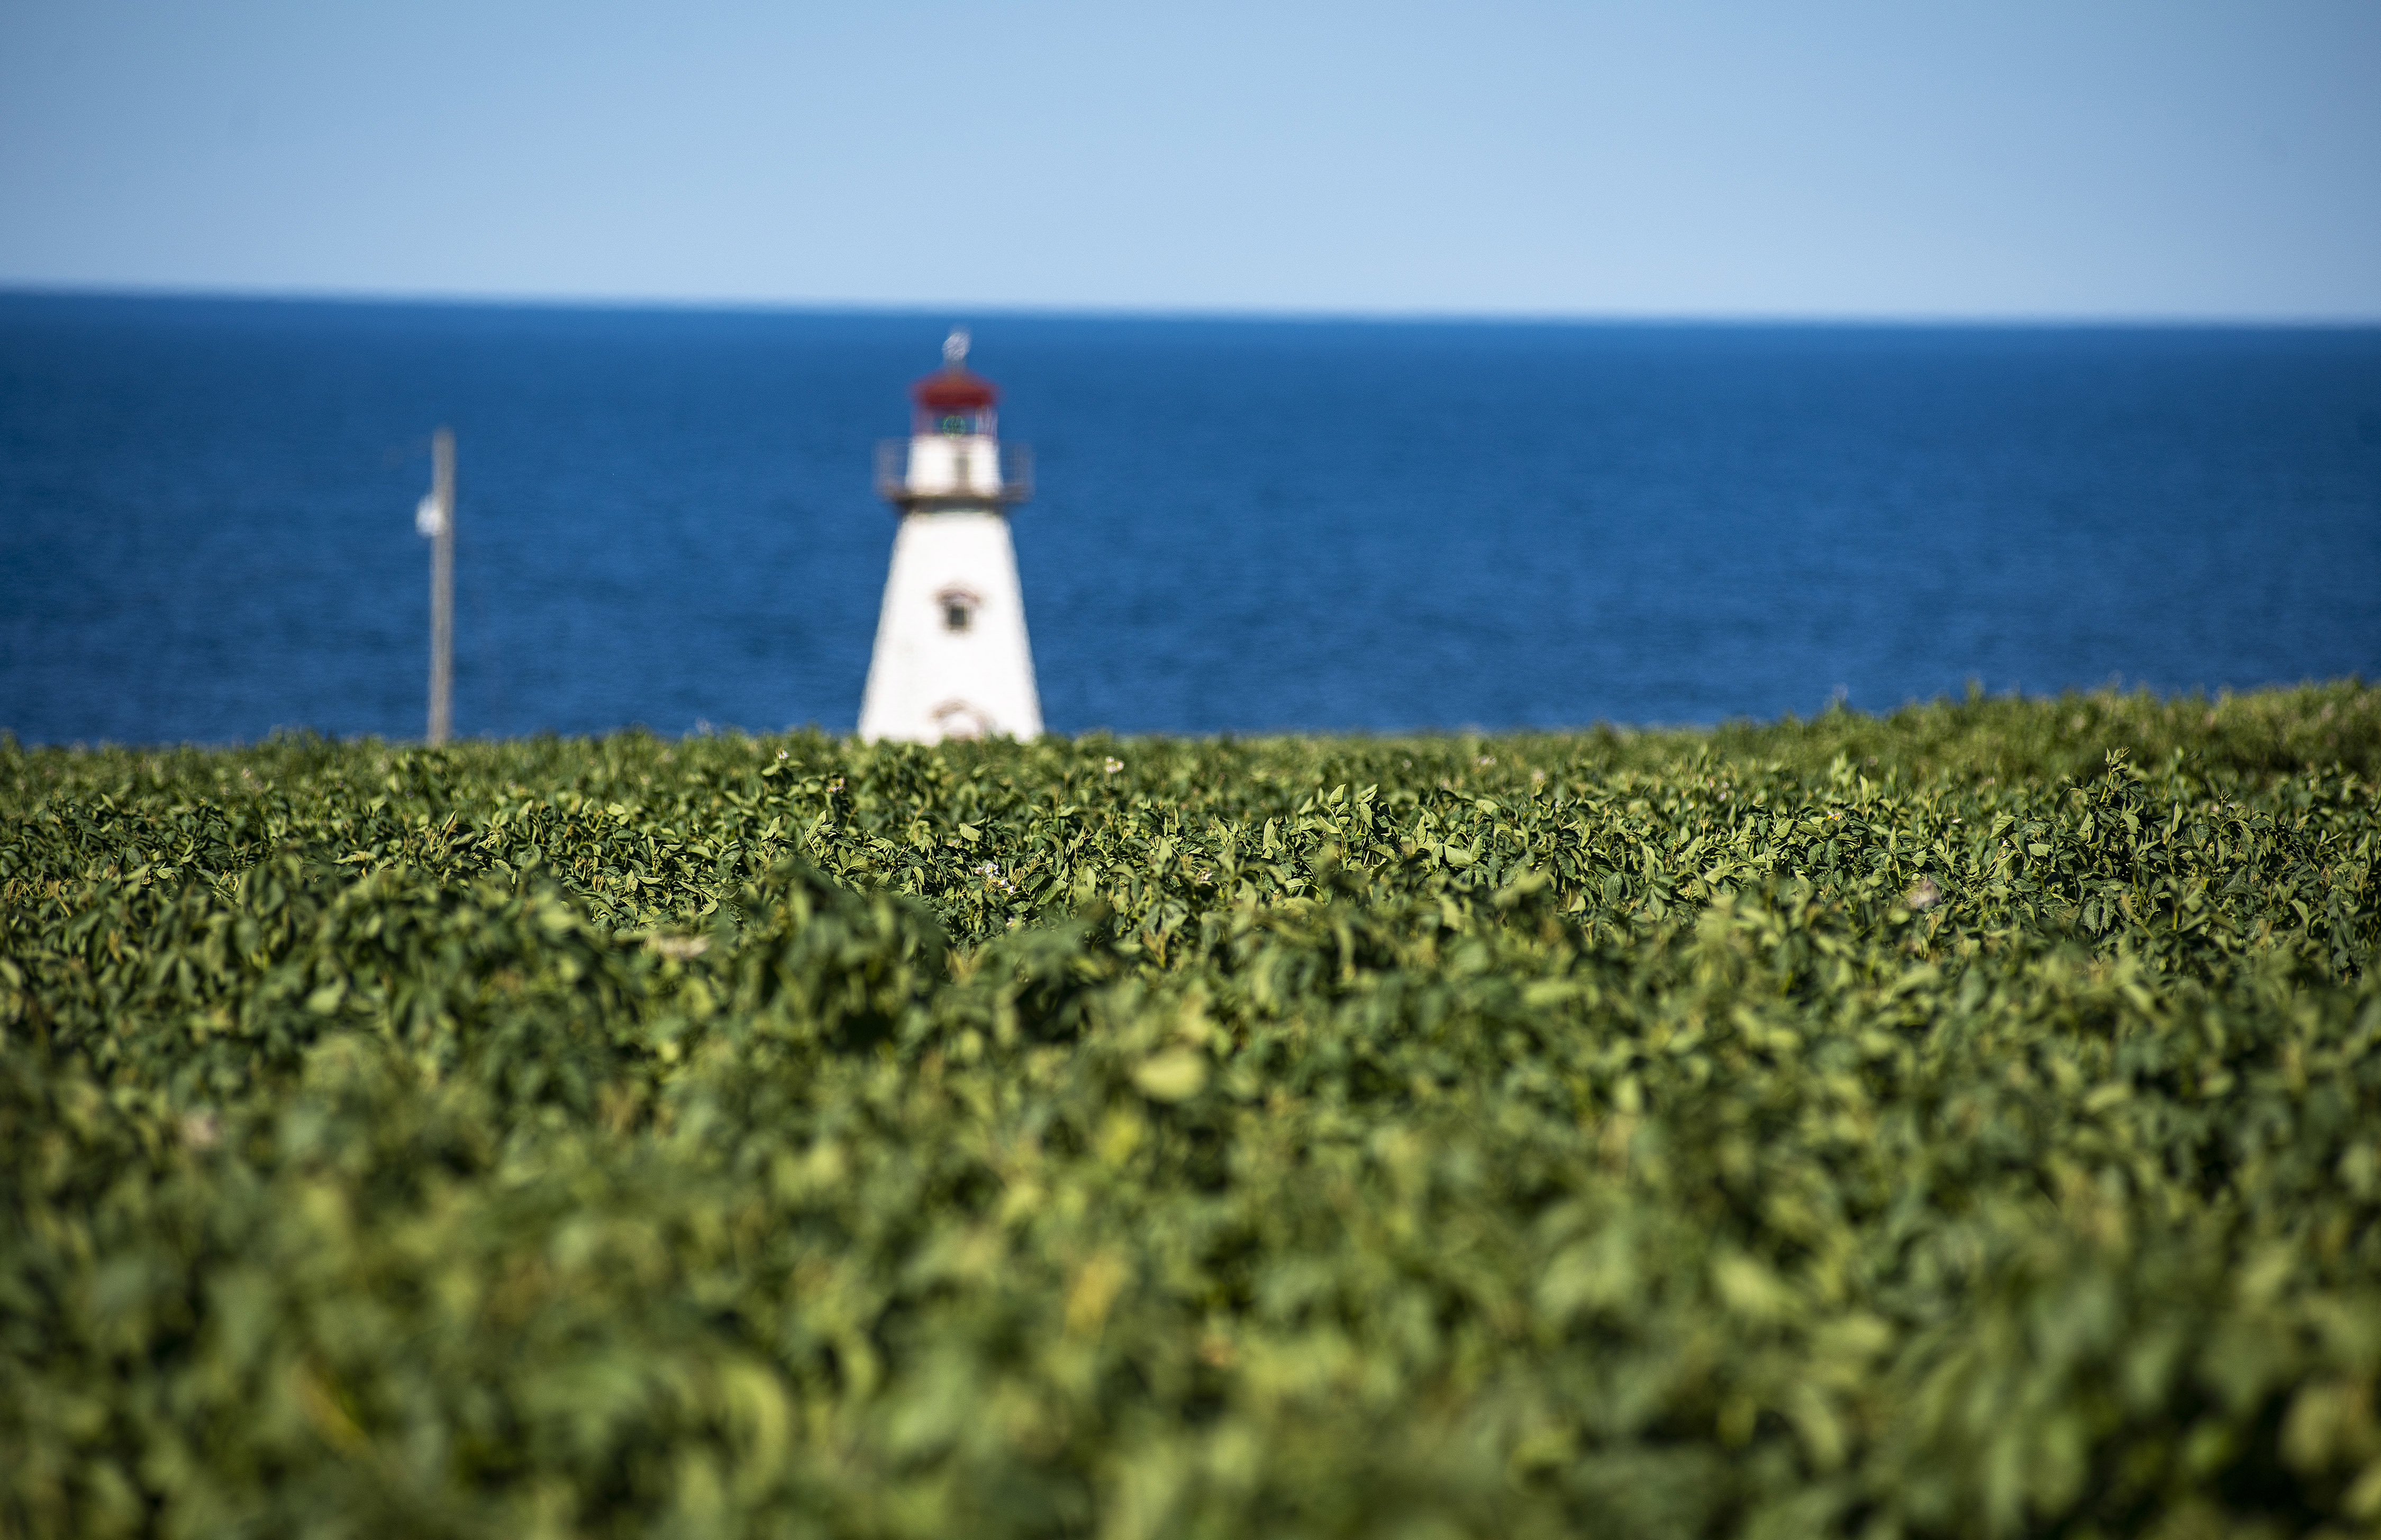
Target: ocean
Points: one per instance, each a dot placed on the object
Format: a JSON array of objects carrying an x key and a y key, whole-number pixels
[{"x": 665, "y": 516}]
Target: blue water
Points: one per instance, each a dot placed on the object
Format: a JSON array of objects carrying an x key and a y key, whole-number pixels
[{"x": 206, "y": 515}]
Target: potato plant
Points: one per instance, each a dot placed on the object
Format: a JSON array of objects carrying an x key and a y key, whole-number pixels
[{"x": 1960, "y": 1123}]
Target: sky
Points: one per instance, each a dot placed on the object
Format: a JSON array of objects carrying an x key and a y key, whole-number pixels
[{"x": 2019, "y": 160}]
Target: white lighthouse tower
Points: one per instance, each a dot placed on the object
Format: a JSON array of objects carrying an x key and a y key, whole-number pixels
[{"x": 951, "y": 657}]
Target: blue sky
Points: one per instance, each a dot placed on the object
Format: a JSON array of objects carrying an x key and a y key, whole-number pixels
[{"x": 1680, "y": 159}]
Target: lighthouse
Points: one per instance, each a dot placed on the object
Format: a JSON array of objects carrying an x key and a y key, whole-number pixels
[{"x": 951, "y": 658}]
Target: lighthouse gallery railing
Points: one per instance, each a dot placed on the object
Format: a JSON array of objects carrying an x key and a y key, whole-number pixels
[{"x": 944, "y": 475}]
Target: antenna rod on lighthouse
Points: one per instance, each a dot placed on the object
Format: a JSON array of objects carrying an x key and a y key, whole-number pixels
[{"x": 437, "y": 519}]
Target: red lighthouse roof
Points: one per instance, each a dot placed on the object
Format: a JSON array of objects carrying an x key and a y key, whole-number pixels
[{"x": 954, "y": 388}]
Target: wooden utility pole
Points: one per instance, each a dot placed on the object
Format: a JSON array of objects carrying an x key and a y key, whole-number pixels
[{"x": 437, "y": 519}]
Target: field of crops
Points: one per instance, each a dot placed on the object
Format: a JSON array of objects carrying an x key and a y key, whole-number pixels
[{"x": 1965, "y": 1122}]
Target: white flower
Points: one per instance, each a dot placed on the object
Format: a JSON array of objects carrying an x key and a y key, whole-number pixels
[{"x": 1113, "y": 765}]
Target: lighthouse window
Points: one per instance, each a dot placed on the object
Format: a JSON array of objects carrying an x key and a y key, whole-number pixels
[{"x": 959, "y": 608}]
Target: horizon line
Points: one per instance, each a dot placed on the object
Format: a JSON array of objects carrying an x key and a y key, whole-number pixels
[{"x": 1421, "y": 316}]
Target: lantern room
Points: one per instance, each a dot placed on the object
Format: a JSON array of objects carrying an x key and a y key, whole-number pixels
[
  {"x": 954, "y": 401},
  {"x": 954, "y": 457}
]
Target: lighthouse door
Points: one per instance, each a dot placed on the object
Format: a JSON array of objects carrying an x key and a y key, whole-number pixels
[{"x": 959, "y": 719}]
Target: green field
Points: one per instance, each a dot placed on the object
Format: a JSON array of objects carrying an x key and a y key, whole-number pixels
[{"x": 1964, "y": 1122}]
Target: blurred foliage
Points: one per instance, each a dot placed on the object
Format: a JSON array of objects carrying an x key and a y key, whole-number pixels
[{"x": 1964, "y": 1122}]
